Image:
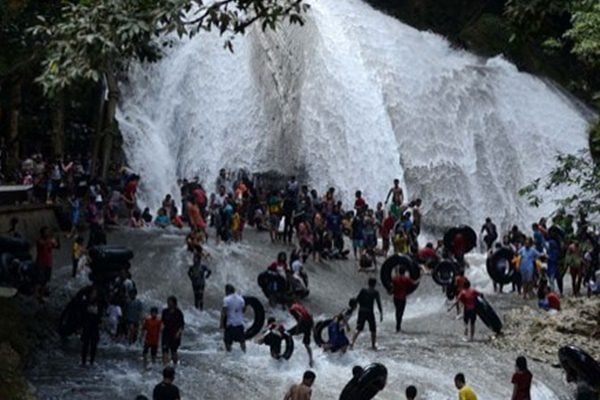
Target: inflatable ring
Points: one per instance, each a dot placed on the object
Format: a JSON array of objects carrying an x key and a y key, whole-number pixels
[
  {"x": 267, "y": 279},
  {"x": 404, "y": 263},
  {"x": 498, "y": 276},
  {"x": 13, "y": 245},
  {"x": 289, "y": 346},
  {"x": 468, "y": 233},
  {"x": 105, "y": 254},
  {"x": 578, "y": 362},
  {"x": 318, "y": 332},
  {"x": 488, "y": 316},
  {"x": 444, "y": 272},
  {"x": 367, "y": 385},
  {"x": 259, "y": 316}
]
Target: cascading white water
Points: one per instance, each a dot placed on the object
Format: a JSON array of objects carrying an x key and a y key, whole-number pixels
[{"x": 353, "y": 99}]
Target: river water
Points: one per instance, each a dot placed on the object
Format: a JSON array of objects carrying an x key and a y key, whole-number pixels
[{"x": 428, "y": 354}]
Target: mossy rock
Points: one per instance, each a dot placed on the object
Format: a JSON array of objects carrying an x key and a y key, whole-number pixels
[
  {"x": 489, "y": 35},
  {"x": 594, "y": 141},
  {"x": 14, "y": 350}
]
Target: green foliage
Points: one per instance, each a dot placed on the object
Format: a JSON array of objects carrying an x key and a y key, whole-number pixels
[
  {"x": 586, "y": 34},
  {"x": 98, "y": 37},
  {"x": 578, "y": 174}
]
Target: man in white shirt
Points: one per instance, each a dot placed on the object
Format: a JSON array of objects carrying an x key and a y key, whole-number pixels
[{"x": 232, "y": 318}]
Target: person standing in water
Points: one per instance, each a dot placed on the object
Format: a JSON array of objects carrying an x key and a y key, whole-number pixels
[
  {"x": 173, "y": 323},
  {"x": 521, "y": 380},
  {"x": 401, "y": 287},
  {"x": 468, "y": 297},
  {"x": 166, "y": 390},
  {"x": 491, "y": 233},
  {"x": 396, "y": 193},
  {"x": 303, "y": 327},
  {"x": 90, "y": 332},
  {"x": 302, "y": 390},
  {"x": 367, "y": 298},
  {"x": 232, "y": 318}
]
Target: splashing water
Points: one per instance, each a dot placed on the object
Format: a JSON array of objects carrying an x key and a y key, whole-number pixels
[{"x": 352, "y": 99}]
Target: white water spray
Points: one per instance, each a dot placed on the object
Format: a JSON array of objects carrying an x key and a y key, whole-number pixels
[{"x": 353, "y": 99}]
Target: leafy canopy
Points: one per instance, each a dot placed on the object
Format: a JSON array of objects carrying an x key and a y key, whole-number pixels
[{"x": 95, "y": 37}]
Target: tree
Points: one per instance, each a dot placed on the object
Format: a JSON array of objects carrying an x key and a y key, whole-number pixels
[
  {"x": 96, "y": 39},
  {"x": 578, "y": 174}
]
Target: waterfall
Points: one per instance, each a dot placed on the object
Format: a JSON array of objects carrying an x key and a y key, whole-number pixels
[{"x": 353, "y": 99}]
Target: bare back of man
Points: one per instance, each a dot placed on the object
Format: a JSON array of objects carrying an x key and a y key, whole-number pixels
[{"x": 298, "y": 392}]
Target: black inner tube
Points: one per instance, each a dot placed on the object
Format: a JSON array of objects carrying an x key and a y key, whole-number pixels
[
  {"x": 289, "y": 346},
  {"x": 259, "y": 317},
  {"x": 444, "y": 272},
  {"x": 367, "y": 385},
  {"x": 488, "y": 316},
  {"x": 468, "y": 234},
  {"x": 109, "y": 254},
  {"x": 576, "y": 361},
  {"x": 499, "y": 276},
  {"x": 318, "y": 332},
  {"x": 403, "y": 263}
]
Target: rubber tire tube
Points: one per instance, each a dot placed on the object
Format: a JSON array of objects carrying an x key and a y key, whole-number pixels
[
  {"x": 289, "y": 346},
  {"x": 13, "y": 245},
  {"x": 488, "y": 316},
  {"x": 259, "y": 316},
  {"x": 494, "y": 273},
  {"x": 110, "y": 254},
  {"x": 368, "y": 384},
  {"x": 581, "y": 363},
  {"x": 404, "y": 263},
  {"x": 318, "y": 331},
  {"x": 444, "y": 268}
]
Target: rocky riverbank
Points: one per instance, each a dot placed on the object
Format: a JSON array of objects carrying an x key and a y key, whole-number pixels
[{"x": 539, "y": 334}]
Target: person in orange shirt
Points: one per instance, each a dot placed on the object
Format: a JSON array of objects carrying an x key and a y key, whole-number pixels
[{"x": 151, "y": 334}]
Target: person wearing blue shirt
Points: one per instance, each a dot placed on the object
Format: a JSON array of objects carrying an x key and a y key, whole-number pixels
[
  {"x": 527, "y": 266},
  {"x": 538, "y": 238}
]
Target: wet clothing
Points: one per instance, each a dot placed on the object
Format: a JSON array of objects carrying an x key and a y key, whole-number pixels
[
  {"x": 469, "y": 298},
  {"x": 337, "y": 336},
  {"x": 166, "y": 391},
  {"x": 366, "y": 300},
  {"x": 152, "y": 327},
  {"x": 234, "y": 305},
  {"x": 90, "y": 333},
  {"x": 522, "y": 381},
  {"x": 305, "y": 322},
  {"x": 401, "y": 286},
  {"x": 466, "y": 393},
  {"x": 173, "y": 322},
  {"x": 133, "y": 311},
  {"x": 527, "y": 265}
]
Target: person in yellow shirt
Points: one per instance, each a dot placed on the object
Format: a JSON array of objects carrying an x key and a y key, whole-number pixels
[
  {"x": 76, "y": 254},
  {"x": 464, "y": 391}
]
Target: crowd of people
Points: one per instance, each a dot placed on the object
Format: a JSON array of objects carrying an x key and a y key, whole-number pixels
[{"x": 318, "y": 228}]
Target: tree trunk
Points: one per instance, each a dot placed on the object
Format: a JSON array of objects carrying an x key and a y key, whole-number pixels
[
  {"x": 110, "y": 126},
  {"x": 58, "y": 124},
  {"x": 98, "y": 130},
  {"x": 14, "y": 116}
]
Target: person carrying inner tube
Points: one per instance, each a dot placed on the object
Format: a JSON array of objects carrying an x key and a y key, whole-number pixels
[
  {"x": 272, "y": 337},
  {"x": 338, "y": 341},
  {"x": 468, "y": 297},
  {"x": 367, "y": 298},
  {"x": 304, "y": 326},
  {"x": 232, "y": 318},
  {"x": 401, "y": 286}
]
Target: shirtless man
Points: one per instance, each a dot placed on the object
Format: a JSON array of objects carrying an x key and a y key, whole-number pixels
[
  {"x": 302, "y": 390},
  {"x": 396, "y": 191}
]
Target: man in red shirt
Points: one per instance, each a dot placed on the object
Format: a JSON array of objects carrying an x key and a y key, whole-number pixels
[
  {"x": 427, "y": 254},
  {"x": 304, "y": 326},
  {"x": 401, "y": 286},
  {"x": 44, "y": 260},
  {"x": 385, "y": 231},
  {"x": 468, "y": 297}
]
